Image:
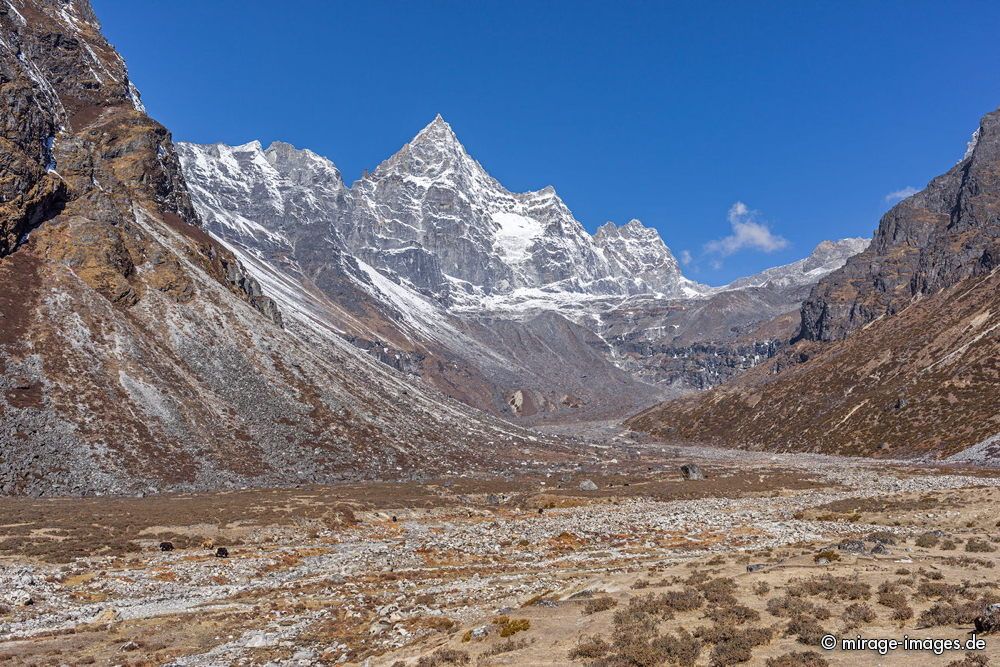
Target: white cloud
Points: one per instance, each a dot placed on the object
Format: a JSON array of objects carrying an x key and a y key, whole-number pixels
[
  {"x": 900, "y": 195},
  {"x": 686, "y": 257},
  {"x": 748, "y": 233}
]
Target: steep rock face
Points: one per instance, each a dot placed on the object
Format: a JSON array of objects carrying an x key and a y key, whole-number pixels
[
  {"x": 899, "y": 350},
  {"x": 927, "y": 242},
  {"x": 136, "y": 351},
  {"x": 642, "y": 262},
  {"x": 432, "y": 214}
]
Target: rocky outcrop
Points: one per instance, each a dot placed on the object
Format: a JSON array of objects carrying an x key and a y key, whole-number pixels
[
  {"x": 137, "y": 352},
  {"x": 930, "y": 241},
  {"x": 898, "y": 352}
]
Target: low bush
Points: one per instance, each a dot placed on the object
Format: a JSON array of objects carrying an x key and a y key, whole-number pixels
[
  {"x": 600, "y": 604},
  {"x": 803, "y": 659},
  {"x": 975, "y": 545},
  {"x": 857, "y": 614},
  {"x": 590, "y": 647},
  {"x": 444, "y": 656}
]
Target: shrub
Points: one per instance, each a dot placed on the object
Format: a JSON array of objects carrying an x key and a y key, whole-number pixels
[
  {"x": 950, "y": 613},
  {"x": 970, "y": 660},
  {"x": 927, "y": 540},
  {"x": 735, "y": 646},
  {"x": 975, "y": 545},
  {"x": 507, "y": 646},
  {"x": 761, "y": 588},
  {"x": 937, "y": 589},
  {"x": 444, "y": 656},
  {"x": 732, "y": 615},
  {"x": 805, "y": 629},
  {"x": 719, "y": 591},
  {"x": 788, "y": 606},
  {"x": 803, "y": 659},
  {"x": 686, "y": 599},
  {"x": 590, "y": 647},
  {"x": 681, "y": 649},
  {"x": 832, "y": 588},
  {"x": 857, "y": 614},
  {"x": 511, "y": 626},
  {"x": 903, "y": 613},
  {"x": 596, "y": 605}
]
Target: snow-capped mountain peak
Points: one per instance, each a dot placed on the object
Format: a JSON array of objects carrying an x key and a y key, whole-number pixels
[
  {"x": 638, "y": 255},
  {"x": 826, "y": 257},
  {"x": 431, "y": 218}
]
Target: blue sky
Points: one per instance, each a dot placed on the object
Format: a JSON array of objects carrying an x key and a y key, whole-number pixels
[{"x": 809, "y": 114}]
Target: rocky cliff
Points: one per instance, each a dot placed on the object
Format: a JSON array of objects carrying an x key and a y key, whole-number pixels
[
  {"x": 944, "y": 234},
  {"x": 136, "y": 351},
  {"x": 430, "y": 236},
  {"x": 898, "y": 351}
]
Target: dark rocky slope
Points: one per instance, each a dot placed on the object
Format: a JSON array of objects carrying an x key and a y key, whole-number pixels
[
  {"x": 135, "y": 350},
  {"x": 899, "y": 351},
  {"x": 946, "y": 233}
]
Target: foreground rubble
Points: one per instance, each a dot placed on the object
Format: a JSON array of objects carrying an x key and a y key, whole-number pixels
[{"x": 379, "y": 573}]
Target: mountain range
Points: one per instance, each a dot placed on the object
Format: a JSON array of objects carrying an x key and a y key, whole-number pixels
[
  {"x": 500, "y": 299},
  {"x": 211, "y": 316}
]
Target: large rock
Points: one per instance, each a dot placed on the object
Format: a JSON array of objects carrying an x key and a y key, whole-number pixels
[
  {"x": 692, "y": 471},
  {"x": 989, "y": 621},
  {"x": 946, "y": 233}
]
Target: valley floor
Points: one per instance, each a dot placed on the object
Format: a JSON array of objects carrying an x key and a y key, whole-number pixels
[{"x": 523, "y": 569}]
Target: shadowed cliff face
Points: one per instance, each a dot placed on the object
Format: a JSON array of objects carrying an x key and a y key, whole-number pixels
[
  {"x": 899, "y": 350},
  {"x": 930, "y": 241},
  {"x": 135, "y": 350}
]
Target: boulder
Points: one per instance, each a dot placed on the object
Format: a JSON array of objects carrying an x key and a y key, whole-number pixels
[
  {"x": 588, "y": 485},
  {"x": 166, "y": 546},
  {"x": 692, "y": 471},
  {"x": 852, "y": 546},
  {"x": 222, "y": 552},
  {"x": 989, "y": 621}
]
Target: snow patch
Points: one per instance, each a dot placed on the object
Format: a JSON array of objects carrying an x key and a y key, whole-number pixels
[
  {"x": 971, "y": 146},
  {"x": 515, "y": 235},
  {"x": 135, "y": 98}
]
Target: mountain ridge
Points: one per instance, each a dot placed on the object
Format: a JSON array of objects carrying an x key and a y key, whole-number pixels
[
  {"x": 463, "y": 250},
  {"x": 897, "y": 352}
]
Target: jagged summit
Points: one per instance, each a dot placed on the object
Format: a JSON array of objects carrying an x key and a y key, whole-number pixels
[
  {"x": 432, "y": 218},
  {"x": 825, "y": 258}
]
